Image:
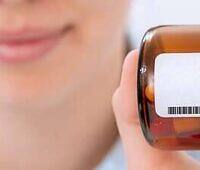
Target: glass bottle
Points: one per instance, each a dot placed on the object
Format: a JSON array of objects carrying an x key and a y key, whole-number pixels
[{"x": 168, "y": 87}]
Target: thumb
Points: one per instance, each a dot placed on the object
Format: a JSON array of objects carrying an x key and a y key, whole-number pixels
[{"x": 140, "y": 155}]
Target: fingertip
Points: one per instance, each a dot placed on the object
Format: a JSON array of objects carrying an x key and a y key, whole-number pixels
[
  {"x": 130, "y": 58},
  {"x": 129, "y": 67}
]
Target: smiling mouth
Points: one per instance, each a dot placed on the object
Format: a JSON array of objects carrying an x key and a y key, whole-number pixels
[{"x": 29, "y": 44}]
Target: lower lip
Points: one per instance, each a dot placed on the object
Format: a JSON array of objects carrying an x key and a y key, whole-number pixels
[{"x": 28, "y": 50}]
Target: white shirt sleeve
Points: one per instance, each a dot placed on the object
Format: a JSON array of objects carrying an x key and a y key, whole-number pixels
[{"x": 114, "y": 160}]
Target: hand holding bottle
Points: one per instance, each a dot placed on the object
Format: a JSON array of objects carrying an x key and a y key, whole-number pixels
[{"x": 140, "y": 155}]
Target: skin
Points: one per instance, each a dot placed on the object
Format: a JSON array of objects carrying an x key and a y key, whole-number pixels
[
  {"x": 135, "y": 146},
  {"x": 56, "y": 113}
]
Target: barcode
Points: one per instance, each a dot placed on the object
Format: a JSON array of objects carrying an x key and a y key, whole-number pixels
[{"x": 184, "y": 110}]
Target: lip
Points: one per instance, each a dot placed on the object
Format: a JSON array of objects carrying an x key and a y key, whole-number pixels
[{"x": 28, "y": 44}]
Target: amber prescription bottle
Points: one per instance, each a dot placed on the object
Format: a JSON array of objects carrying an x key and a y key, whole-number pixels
[{"x": 169, "y": 87}]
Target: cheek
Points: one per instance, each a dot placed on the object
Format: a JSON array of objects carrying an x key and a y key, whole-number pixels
[
  {"x": 96, "y": 6},
  {"x": 98, "y": 23},
  {"x": 102, "y": 21},
  {"x": 92, "y": 4}
]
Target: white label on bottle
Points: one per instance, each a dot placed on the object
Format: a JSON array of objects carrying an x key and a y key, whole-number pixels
[{"x": 177, "y": 84}]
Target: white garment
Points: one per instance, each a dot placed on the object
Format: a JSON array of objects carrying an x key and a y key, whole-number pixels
[
  {"x": 114, "y": 160},
  {"x": 146, "y": 14}
]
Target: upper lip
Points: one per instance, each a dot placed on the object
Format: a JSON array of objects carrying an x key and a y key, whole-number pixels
[{"x": 26, "y": 34}]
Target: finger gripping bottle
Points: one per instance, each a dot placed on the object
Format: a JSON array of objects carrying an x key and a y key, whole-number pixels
[{"x": 169, "y": 87}]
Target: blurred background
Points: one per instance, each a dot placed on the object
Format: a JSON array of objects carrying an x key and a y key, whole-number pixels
[{"x": 145, "y": 14}]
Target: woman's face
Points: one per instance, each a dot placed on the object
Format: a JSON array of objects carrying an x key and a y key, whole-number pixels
[{"x": 48, "y": 48}]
